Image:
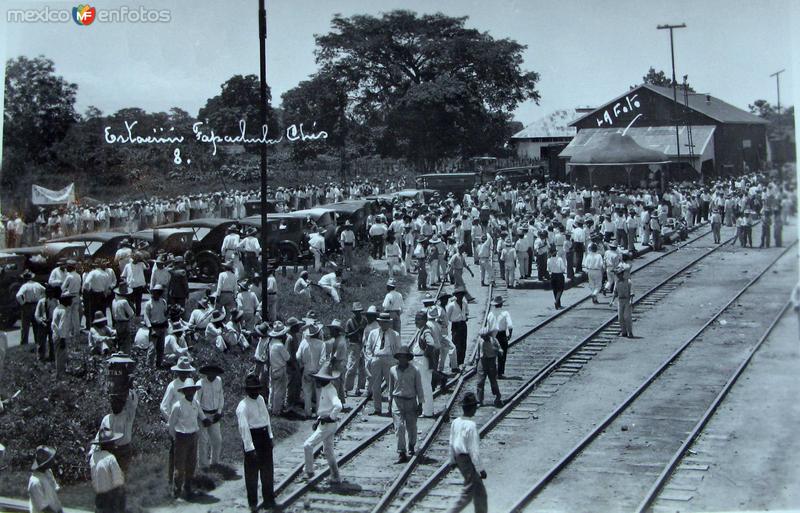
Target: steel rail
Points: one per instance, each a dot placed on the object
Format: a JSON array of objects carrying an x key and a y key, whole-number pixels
[
  {"x": 591, "y": 436},
  {"x": 527, "y": 387},
  {"x": 662, "y": 479}
]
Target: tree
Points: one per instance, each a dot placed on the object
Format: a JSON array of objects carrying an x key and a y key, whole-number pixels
[
  {"x": 320, "y": 102},
  {"x": 240, "y": 99},
  {"x": 39, "y": 106},
  {"x": 659, "y": 78},
  {"x": 404, "y": 61}
]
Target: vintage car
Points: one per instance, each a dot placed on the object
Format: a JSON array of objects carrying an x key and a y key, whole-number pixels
[
  {"x": 207, "y": 236},
  {"x": 176, "y": 241},
  {"x": 321, "y": 217},
  {"x": 518, "y": 175},
  {"x": 11, "y": 267},
  {"x": 356, "y": 211},
  {"x": 253, "y": 207},
  {"x": 97, "y": 245},
  {"x": 287, "y": 238},
  {"x": 41, "y": 260},
  {"x": 457, "y": 183}
]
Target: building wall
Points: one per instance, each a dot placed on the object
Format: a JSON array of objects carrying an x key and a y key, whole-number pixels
[
  {"x": 737, "y": 145},
  {"x": 528, "y": 149}
]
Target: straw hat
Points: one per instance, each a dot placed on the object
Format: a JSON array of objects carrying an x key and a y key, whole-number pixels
[
  {"x": 42, "y": 457},
  {"x": 184, "y": 364}
]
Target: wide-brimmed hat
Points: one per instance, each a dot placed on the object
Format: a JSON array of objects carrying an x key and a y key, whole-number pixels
[
  {"x": 250, "y": 231},
  {"x": 371, "y": 310},
  {"x": 98, "y": 318},
  {"x": 188, "y": 384},
  {"x": 314, "y": 329},
  {"x": 348, "y": 224},
  {"x": 391, "y": 282},
  {"x": 184, "y": 364},
  {"x": 262, "y": 329},
  {"x": 251, "y": 382},
  {"x": 27, "y": 275},
  {"x": 211, "y": 368},
  {"x": 428, "y": 300},
  {"x": 435, "y": 239},
  {"x": 278, "y": 330},
  {"x": 433, "y": 313},
  {"x": 469, "y": 399},
  {"x": 498, "y": 301},
  {"x": 327, "y": 372},
  {"x": 404, "y": 350},
  {"x": 217, "y": 316},
  {"x": 357, "y": 307},
  {"x": 292, "y": 322},
  {"x": 178, "y": 327},
  {"x": 157, "y": 288},
  {"x": 227, "y": 265},
  {"x": 106, "y": 436},
  {"x": 42, "y": 457},
  {"x": 620, "y": 269},
  {"x": 335, "y": 324},
  {"x": 384, "y": 317},
  {"x": 123, "y": 290}
]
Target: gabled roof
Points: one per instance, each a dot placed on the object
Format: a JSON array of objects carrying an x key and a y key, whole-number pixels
[
  {"x": 705, "y": 104},
  {"x": 616, "y": 149},
  {"x": 556, "y": 124}
]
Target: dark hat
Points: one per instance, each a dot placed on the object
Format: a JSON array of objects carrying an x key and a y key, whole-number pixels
[
  {"x": 391, "y": 282},
  {"x": 27, "y": 275},
  {"x": 42, "y": 457},
  {"x": 98, "y": 318},
  {"x": 262, "y": 330},
  {"x": 217, "y": 316},
  {"x": 404, "y": 350},
  {"x": 106, "y": 436},
  {"x": 314, "y": 329},
  {"x": 327, "y": 373},
  {"x": 211, "y": 368},
  {"x": 498, "y": 301},
  {"x": 292, "y": 321},
  {"x": 251, "y": 382},
  {"x": 468, "y": 400},
  {"x": 421, "y": 315}
]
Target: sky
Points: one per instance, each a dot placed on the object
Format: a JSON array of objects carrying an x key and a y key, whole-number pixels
[{"x": 586, "y": 51}]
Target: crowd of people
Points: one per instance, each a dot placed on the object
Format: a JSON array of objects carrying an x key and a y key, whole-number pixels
[{"x": 307, "y": 367}]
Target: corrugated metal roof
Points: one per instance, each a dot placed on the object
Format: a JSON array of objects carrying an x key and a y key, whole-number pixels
[
  {"x": 659, "y": 138},
  {"x": 556, "y": 124},
  {"x": 715, "y": 108}
]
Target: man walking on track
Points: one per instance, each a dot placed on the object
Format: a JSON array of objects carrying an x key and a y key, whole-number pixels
[
  {"x": 405, "y": 391},
  {"x": 625, "y": 309},
  {"x": 499, "y": 322},
  {"x": 465, "y": 454}
]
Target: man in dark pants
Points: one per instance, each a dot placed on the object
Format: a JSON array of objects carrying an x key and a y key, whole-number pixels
[
  {"x": 155, "y": 318},
  {"x": 465, "y": 455},
  {"x": 499, "y": 322},
  {"x": 256, "y": 432}
]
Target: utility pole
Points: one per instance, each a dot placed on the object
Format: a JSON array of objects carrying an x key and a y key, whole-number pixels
[
  {"x": 674, "y": 86},
  {"x": 262, "y": 45},
  {"x": 777, "y": 76}
]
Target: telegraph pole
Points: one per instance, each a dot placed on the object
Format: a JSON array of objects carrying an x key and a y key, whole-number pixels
[
  {"x": 674, "y": 85},
  {"x": 262, "y": 45},
  {"x": 777, "y": 76}
]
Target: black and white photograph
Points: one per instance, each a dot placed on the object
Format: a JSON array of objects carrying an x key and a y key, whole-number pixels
[{"x": 399, "y": 256}]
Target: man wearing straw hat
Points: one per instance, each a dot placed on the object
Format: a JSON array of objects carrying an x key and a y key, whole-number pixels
[
  {"x": 121, "y": 314},
  {"x": 407, "y": 394},
  {"x": 227, "y": 286},
  {"x": 183, "y": 370},
  {"x": 426, "y": 358},
  {"x": 308, "y": 356},
  {"x": 348, "y": 241},
  {"x": 354, "y": 331},
  {"x": 42, "y": 485},
  {"x": 255, "y": 429},
  {"x": 335, "y": 352},
  {"x": 155, "y": 318},
  {"x": 624, "y": 293},
  {"x": 185, "y": 418},
  {"x": 328, "y": 410},
  {"x": 379, "y": 349},
  {"x": 393, "y": 304},
  {"x": 108, "y": 479},
  {"x": 278, "y": 361},
  {"x": 28, "y": 296},
  {"x": 465, "y": 455},
  {"x": 120, "y": 420}
]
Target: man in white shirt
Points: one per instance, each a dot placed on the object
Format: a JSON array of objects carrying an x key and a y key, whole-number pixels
[
  {"x": 185, "y": 419},
  {"x": 393, "y": 304},
  {"x": 230, "y": 244},
  {"x": 331, "y": 283},
  {"x": 499, "y": 323},
  {"x": 328, "y": 410},
  {"x": 250, "y": 249},
  {"x": 28, "y": 296},
  {"x": 316, "y": 244},
  {"x": 465, "y": 455},
  {"x": 302, "y": 285},
  {"x": 108, "y": 479},
  {"x": 255, "y": 429},
  {"x": 348, "y": 241},
  {"x": 227, "y": 287},
  {"x": 212, "y": 400},
  {"x": 42, "y": 485}
]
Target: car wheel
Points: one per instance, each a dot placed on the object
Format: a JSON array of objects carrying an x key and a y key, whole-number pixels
[
  {"x": 287, "y": 255},
  {"x": 207, "y": 267}
]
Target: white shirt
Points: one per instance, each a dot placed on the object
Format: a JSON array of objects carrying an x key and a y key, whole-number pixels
[
  {"x": 170, "y": 396},
  {"x": 123, "y": 422},
  {"x": 185, "y": 416},
  {"x": 329, "y": 403},
  {"x": 210, "y": 395},
  {"x": 327, "y": 280},
  {"x": 499, "y": 321},
  {"x": 30, "y": 292},
  {"x": 133, "y": 274},
  {"x": 393, "y": 301},
  {"x": 42, "y": 490},
  {"x": 464, "y": 440},
  {"x": 252, "y": 414},
  {"x": 106, "y": 474}
]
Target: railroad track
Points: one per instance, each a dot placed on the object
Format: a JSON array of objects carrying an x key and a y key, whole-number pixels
[
  {"x": 671, "y": 404},
  {"x": 366, "y": 445},
  {"x": 545, "y": 362}
]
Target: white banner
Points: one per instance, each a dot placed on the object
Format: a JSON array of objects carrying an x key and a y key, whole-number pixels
[{"x": 42, "y": 196}]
